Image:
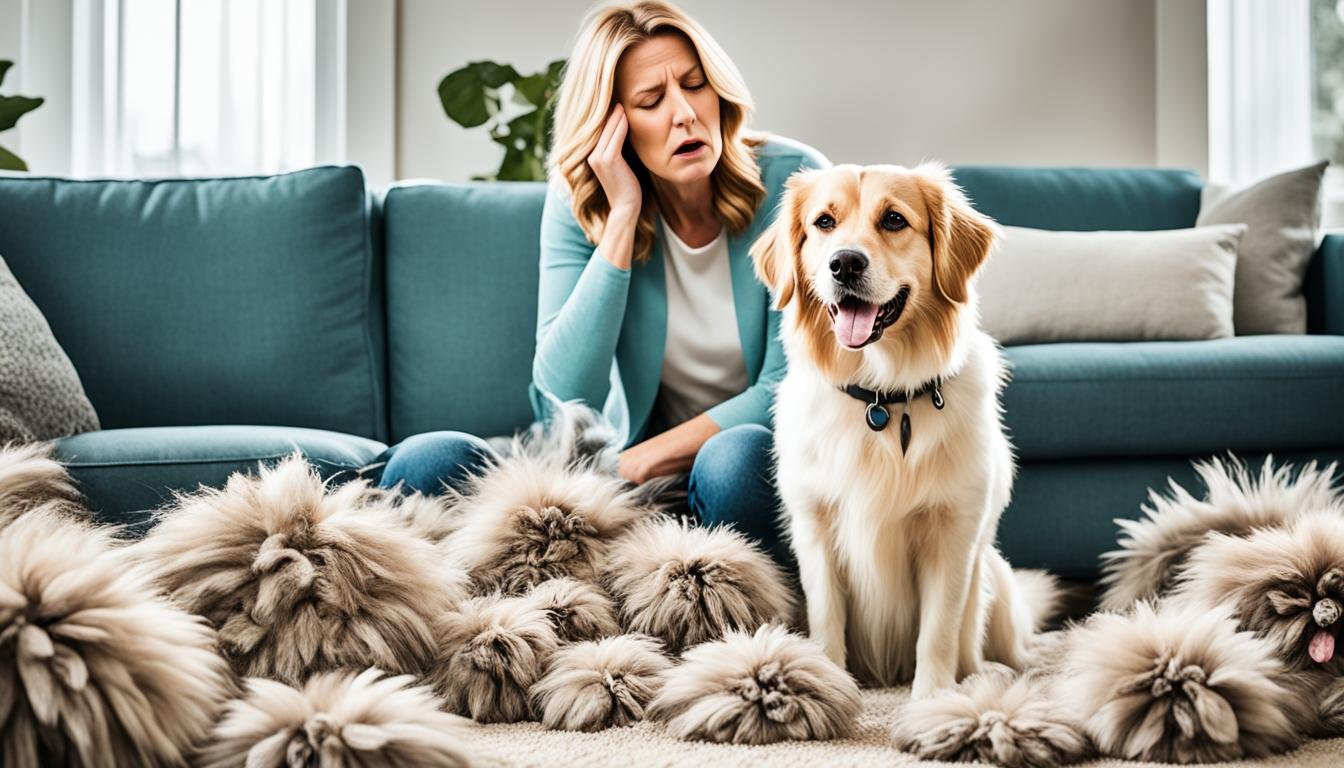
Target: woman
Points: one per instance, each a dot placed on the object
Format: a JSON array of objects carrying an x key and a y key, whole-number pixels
[{"x": 648, "y": 304}]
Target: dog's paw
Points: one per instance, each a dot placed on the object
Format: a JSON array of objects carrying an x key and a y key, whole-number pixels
[{"x": 927, "y": 683}]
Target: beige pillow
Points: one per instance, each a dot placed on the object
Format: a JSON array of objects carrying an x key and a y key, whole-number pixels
[
  {"x": 1282, "y": 214},
  {"x": 1175, "y": 284}
]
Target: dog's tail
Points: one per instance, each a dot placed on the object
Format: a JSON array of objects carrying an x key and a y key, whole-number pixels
[
  {"x": 1041, "y": 593},
  {"x": 29, "y": 477}
]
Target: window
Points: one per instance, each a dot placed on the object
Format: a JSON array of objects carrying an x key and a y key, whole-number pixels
[
  {"x": 1276, "y": 91},
  {"x": 202, "y": 87},
  {"x": 1327, "y": 100}
]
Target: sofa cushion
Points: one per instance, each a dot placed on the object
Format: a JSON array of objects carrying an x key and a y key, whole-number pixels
[
  {"x": 124, "y": 473},
  {"x": 1083, "y": 199},
  {"x": 1068, "y": 401},
  {"x": 246, "y": 300},
  {"x": 1062, "y": 515},
  {"x": 461, "y": 305}
]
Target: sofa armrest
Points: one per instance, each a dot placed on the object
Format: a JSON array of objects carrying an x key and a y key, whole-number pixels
[{"x": 1324, "y": 287}]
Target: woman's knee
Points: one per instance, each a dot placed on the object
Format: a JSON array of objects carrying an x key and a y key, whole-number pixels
[
  {"x": 733, "y": 479},
  {"x": 429, "y": 461}
]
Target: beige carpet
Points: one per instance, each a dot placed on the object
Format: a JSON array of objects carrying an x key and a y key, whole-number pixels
[{"x": 645, "y": 744}]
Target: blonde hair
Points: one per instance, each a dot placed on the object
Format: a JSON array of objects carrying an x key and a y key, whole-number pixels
[{"x": 584, "y": 101}]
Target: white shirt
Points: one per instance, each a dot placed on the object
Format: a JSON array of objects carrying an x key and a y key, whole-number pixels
[{"x": 702, "y": 362}]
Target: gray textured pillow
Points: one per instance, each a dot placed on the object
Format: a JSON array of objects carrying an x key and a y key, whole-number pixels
[
  {"x": 1176, "y": 284},
  {"x": 1282, "y": 214},
  {"x": 40, "y": 394}
]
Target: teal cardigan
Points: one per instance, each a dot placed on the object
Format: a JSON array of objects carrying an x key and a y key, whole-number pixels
[{"x": 601, "y": 330}]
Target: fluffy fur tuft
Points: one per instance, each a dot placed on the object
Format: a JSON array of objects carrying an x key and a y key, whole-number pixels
[
  {"x": 338, "y": 719},
  {"x": 1180, "y": 686},
  {"x": 29, "y": 477},
  {"x": 493, "y": 649},
  {"x": 576, "y": 609},
  {"x": 685, "y": 585},
  {"x": 994, "y": 716},
  {"x": 300, "y": 580},
  {"x": 604, "y": 684},
  {"x": 757, "y": 689},
  {"x": 1285, "y": 584},
  {"x": 1041, "y": 593},
  {"x": 96, "y": 669},
  {"x": 574, "y": 434},
  {"x": 529, "y": 518},
  {"x": 1152, "y": 549}
]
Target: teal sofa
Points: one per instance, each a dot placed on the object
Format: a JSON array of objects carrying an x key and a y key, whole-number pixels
[{"x": 218, "y": 323}]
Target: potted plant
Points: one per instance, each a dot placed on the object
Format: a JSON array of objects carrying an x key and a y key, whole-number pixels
[
  {"x": 479, "y": 93},
  {"x": 11, "y": 109}
]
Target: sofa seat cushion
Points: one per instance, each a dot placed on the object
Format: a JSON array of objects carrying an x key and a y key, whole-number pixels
[
  {"x": 126, "y": 473},
  {"x": 1249, "y": 393}
]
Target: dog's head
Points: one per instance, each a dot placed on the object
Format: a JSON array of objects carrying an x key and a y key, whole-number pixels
[{"x": 867, "y": 257}]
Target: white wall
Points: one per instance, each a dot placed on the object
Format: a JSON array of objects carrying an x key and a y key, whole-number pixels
[{"x": 1053, "y": 82}]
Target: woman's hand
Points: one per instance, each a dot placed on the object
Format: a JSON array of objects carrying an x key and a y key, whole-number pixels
[
  {"x": 669, "y": 453},
  {"x": 618, "y": 182}
]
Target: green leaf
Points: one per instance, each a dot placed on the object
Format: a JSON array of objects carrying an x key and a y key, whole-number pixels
[
  {"x": 14, "y": 107},
  {"x": 533, "y": 88},
  {"x": 4, "y": 67},
  {"x": 494, "y": 75},
  {"x": 10, "y": 161},
  {"x": 463, "y": 97}
]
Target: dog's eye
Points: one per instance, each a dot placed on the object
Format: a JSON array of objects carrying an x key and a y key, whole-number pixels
[
  {"x": 825, "y": 222},
  {"x": 893, "y": 221}
]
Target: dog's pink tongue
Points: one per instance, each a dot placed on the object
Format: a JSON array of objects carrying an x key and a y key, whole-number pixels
[
  {"x": 1322, "y": 647},
  {"x": 854, "y": 324}
]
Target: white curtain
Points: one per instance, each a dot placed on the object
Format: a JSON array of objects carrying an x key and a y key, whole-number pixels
[
  {"x": 198, "y": 87},
  {"x": 1259, "y": 88}
]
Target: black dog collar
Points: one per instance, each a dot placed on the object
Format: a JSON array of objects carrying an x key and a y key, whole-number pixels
[{"x": 876, "y": 415}]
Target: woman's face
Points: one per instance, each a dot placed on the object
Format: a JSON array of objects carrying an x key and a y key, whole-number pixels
[{"x": 672, "y": 111}]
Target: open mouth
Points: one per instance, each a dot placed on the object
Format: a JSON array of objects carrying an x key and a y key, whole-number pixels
[
  {"x": 1324, "y": 630},
  {"x": 858, "y": 323},
  {"x": 689, "y": 148}
]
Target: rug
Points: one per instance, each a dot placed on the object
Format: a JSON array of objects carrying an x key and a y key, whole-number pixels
[{"x": 645, "y": 744}]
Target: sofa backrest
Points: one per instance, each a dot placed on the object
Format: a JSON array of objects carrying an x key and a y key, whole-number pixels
[
  {"x": 1083, "y": 199},
  {"x": 461, "y": 305},
  {"x": 244, "y": 300}
]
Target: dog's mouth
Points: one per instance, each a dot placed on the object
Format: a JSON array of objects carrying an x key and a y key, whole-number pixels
[
  {"x": 1324, "y": 629},
  {"x": 858, "y": 323}
]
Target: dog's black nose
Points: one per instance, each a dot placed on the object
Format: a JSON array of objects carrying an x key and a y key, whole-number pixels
[{"x": 847, "y": 266}]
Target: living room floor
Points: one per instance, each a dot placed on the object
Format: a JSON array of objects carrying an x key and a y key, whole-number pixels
[{"x": 645, "y": 744}]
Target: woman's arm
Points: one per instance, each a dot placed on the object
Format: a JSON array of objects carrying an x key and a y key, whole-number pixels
[
  {"x": 668, "y": 453},
  {"x": 581, "y": 292}
]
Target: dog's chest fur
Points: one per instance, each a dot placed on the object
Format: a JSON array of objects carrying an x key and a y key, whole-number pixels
[{"x": 882, "y": 507}]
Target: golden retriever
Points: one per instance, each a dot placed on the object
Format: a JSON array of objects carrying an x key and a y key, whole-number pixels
[{"x": 872, "y": 267}]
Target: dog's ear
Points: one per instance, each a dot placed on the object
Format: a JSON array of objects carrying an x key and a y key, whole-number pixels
[
  {"x": 777, "y": 253},
  {"x": 960, "y": 237}
]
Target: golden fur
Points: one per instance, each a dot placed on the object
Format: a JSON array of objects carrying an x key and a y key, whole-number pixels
[
  {"x": 299, "y": 578},
  {"x": 896, "y": 551}
]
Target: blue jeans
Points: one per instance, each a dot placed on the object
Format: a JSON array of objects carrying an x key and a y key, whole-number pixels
[{"x": 731, "y": 482}]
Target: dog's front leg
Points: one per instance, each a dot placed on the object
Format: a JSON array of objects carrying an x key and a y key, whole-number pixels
[
  {"x": 821, "y": 584},
  {"x": 944, "y": 574}
]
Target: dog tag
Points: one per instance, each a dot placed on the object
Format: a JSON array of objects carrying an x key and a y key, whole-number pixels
[
  {"x": 905, "y": 432},
  {"x": 877, "y": 417}
]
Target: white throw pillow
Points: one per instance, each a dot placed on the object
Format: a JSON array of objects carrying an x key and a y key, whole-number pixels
[{"x": 1174, "y": 284}]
